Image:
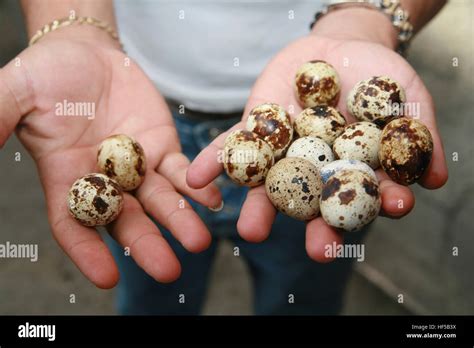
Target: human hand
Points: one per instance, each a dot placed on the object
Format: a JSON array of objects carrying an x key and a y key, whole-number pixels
[
  {"x": 65, "y": 66},
  {"x": 356, "y": 54}
]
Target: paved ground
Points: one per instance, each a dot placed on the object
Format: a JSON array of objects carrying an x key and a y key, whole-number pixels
[{"x": 412, "y": 257}]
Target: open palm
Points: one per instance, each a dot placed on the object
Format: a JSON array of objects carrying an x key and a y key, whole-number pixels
[
  {"x": 65, "y": 148},
  {"x": 354, "y": 60}
]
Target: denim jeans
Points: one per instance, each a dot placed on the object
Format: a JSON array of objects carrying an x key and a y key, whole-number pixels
[{"x": 279, "y": 266}]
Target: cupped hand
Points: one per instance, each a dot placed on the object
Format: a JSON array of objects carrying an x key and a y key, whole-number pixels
[
  {"x": 64, "y": 69},
  {"x": 354, "y": 60}
]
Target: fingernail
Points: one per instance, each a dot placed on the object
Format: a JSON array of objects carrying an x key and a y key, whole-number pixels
[{"x": 218, "y": 208}]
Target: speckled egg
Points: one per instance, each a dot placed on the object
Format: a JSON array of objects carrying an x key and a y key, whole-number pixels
[
  {"x": 247, "y": 158},
  {"x": 293, "y": 186},
  {"x": 345, "y": 164},
  {"x": 273, "y": 124},
  {"x": 323, "y": 121},
  {"x": 311, "y": 149},
  {"x": 359, "y": 141},
  {"x": 121, "y": 158},
  {"x": 405, "y": 150},
  {"x": 317, "y": 83},
  {"x": 95, "y": 200},
  {"x": 350, "y": 199},
  {"x": 376, "y": 99}
]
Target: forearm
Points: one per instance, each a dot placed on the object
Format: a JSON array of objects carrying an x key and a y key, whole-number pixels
[
  {"x": 356, "y": 22},
  {"x": 37, "y": 13}
]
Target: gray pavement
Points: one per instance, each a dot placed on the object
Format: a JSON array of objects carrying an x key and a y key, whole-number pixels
[{"x": 412, "y": 257}]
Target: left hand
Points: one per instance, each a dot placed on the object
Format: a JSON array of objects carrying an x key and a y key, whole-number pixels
[{"x": 366, "y": 56}]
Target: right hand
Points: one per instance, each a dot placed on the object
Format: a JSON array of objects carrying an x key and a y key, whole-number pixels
[{"x": 65, "y": 66}]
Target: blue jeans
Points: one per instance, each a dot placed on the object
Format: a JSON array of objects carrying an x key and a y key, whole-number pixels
[{"x": 279, "y": 266}]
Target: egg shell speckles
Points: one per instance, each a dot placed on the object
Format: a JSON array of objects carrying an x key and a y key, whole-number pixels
[
  {"x": 350, "y": 199},
  {"x": 95, "y": 200},
  {"x": 293, "y": 186},
  {"x": 121, "y": 158},
  {"x": 406, "y": 147},
  {"x": 334, "y": 167},
  {"x": 323, "y": 121},
  {"x": 247, "y": 158},
  {"x": 374, "y": 99},
  {"x": 359, "y": 141},
  {"x": 311, "y": 149},
  {"x": 317, "y": 83},
  {"x": 273, "y": 124}
]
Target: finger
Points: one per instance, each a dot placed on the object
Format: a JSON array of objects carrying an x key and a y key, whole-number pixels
[
  {"x": 397, "y": 200},
  {"x": 171, "y": 210},
  {"x": 319, "y": 235},
  {"x": 133, "y": 229},
  {"x": 257, "y": 216},
  {"x": 82, "y": 244},
  {"x": 206, "y": 167},
  {"x": 16, "y": 98},
  {"x": 174, "y": 168},
  {"x": 436, "y": 174}
]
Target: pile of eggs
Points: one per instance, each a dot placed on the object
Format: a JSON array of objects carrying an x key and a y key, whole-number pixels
[
  {"x": 318, "y": 164},
  {"x": 96, "y": 199}
]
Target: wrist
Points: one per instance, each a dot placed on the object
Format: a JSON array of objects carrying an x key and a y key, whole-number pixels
[
  {"x": 82, "y": 33},
  {"x": 357, "y": 23}
]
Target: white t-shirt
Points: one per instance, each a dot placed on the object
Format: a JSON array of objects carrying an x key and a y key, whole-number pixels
[{"x": 206, "y": 54}]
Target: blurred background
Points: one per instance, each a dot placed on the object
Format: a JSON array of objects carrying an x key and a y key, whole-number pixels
[{"x": 413, "y": 257}]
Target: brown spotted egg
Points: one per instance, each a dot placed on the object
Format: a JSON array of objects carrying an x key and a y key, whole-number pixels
[
  {"x": 317, "y": 83},
  {"x": 350, "y": 199},
  {"x": 95, "y": 200},
  {"x": 359, "y": 141},
  {"x": 376, "y": 99},
  {"x": 273, "y": 124},
  {"x": 311, "y": 149},
  {"x": 247, "y": 158},
  {"x": 121, "y": 158},
  {"x": 405, "y": 150},
  {"x": 293, "y": 185},
  {"x": 322, "y": 121}
]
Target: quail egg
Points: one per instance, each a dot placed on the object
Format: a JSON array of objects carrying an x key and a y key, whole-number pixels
[
  {"x": 376, "y": 99},
  {"x": 95, "y": 200},
  {"x": 350, "y": 199},
  {"x": 311, "y": 149},
  {"x": 317, "y": 83},
  {"x": 273, "y": 124},
  {"x": 121, "y": 158},
  {"x": 345, "y": 164},
  {"x": 293, "y": 185},
  {"x": 359, "y": 141},
  {"x": 322, "y": 121},
  {"x": 405, "y": 150},
  {"x": 247, "y": 158}
]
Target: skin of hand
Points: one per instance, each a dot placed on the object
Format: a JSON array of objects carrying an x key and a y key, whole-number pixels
[
  {"x": 65, "y": 66},
  {"x": 357, "y": 51}
]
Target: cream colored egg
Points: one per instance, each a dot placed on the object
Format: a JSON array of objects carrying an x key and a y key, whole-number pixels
[
  {"x": 293, "y": 185},
  {"x": 359, "y": 141},
  {"x": 271, "y": 123},
  {"x": 95, "y": 200},
  {"x": 121, "y": 158},
  {"x": 323, "y": 121},
  {"x": 311, "y": 149},
  {"x": 317, "y": 83},
  {"x": 247, "y": 158},
  {"x": 350, "y": 200}
]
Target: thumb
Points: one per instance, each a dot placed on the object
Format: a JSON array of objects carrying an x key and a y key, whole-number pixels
[{"x": 16, "y": 97}]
